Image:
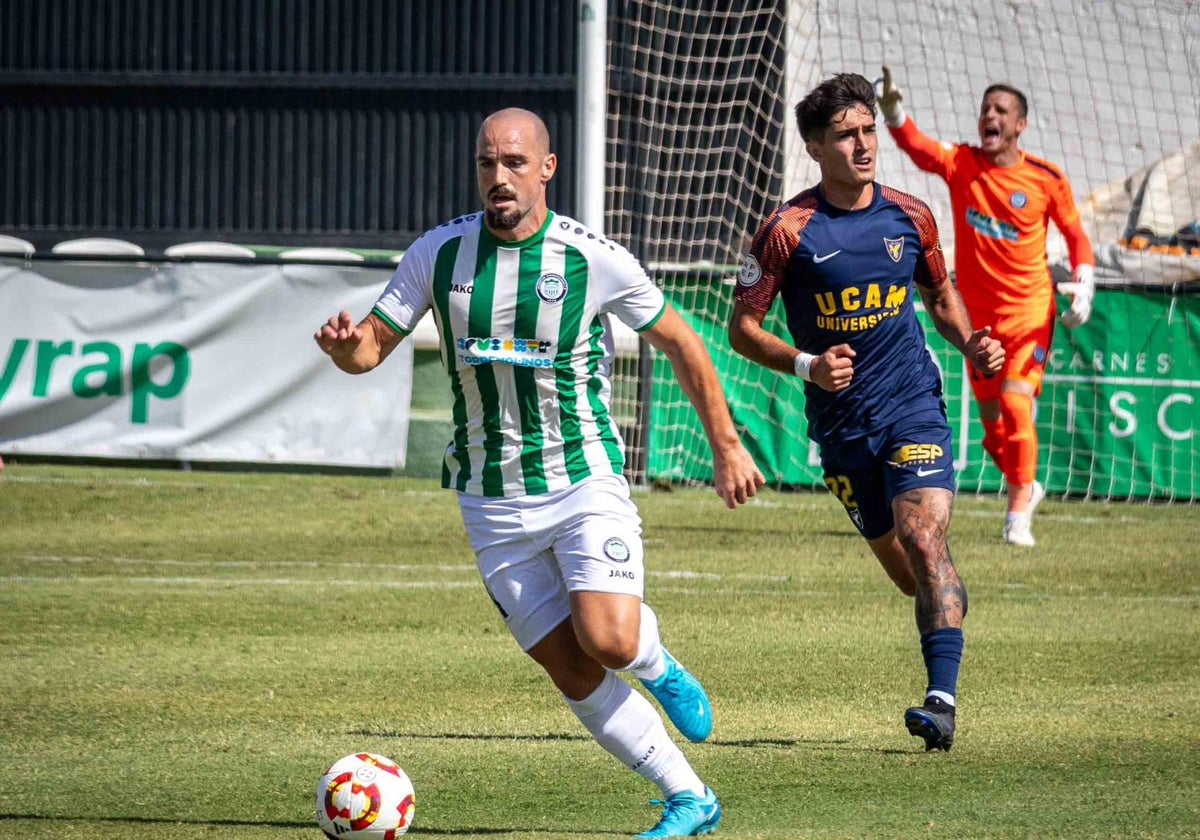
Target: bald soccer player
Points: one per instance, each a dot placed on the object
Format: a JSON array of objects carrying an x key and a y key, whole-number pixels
[{"x": 522, "y": 298}]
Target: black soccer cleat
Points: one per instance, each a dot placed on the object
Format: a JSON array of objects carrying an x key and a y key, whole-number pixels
[{"x": 933, "y": 721}]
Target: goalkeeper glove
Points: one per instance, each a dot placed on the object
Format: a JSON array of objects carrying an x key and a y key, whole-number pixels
[
  {"x": 889, "y": 100},
  {"x": 1081, "y": 291}
]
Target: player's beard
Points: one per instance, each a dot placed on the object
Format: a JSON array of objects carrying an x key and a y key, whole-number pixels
[{"x": 503, "y": 219}]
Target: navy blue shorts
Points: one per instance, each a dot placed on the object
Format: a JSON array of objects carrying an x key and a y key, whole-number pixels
[{"x": 866, "y": 473}]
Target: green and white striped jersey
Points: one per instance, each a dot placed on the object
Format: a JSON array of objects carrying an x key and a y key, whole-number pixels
[{"x": 525, "y": 340}]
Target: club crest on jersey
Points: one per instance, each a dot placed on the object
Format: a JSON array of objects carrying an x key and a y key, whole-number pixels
[
  {"x": 616, "y": 550},
  {"x": 1018, "y": 199},
  {"x": 895, "y": 248},
  {"x": 750, "y": 272},
  {"x": 551, "y": 288}
]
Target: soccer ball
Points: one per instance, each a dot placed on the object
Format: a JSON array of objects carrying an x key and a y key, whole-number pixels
[{"x": 365, "y": 797}]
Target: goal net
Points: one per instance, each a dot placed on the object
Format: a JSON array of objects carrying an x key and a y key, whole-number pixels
[{"x": 702, "y": 145}]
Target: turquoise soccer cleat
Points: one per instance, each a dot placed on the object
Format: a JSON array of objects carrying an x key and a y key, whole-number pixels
[
  {"x": 686, "y": 815},
  {"x": 683, "y": 699}
]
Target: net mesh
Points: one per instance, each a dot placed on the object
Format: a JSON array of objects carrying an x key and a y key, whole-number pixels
[{"x": 702, "y": 146}]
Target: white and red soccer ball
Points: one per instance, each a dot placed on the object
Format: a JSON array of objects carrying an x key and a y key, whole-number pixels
[{"x": 365, "y": 797}]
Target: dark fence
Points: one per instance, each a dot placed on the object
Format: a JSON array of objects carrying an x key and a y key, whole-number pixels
[{"x": 344, "y": 122}]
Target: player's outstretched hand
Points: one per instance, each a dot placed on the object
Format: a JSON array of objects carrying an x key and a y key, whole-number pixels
[
  {"x": 834, "y": 368},
  {"x": 987, "y": 354},
  {"x": 735, "y": 476},
  {"x": 339, "y": 336},
  {"x": 890, "y": 97}
]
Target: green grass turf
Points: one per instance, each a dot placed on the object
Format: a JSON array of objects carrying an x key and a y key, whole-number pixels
[{"x": 182, "y": 655}]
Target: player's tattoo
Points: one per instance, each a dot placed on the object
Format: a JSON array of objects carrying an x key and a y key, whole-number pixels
[
  {"x": 941, "y": 605},
  {"x": 923, "y": 516}
]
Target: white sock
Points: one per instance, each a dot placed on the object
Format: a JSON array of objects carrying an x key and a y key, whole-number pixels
[
  {"x": 629, "y": 728},
  {"x": 944, "y": 696},
  {"x": 649, "y": 663}
]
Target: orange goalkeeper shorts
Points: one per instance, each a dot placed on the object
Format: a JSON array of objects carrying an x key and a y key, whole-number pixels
[{"x": 1026, "y": 349}]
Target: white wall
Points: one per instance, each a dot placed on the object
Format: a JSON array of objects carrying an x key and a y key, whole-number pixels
[{"x": 1113, "y": 86}]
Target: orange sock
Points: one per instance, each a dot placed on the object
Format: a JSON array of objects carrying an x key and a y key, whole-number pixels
[
  {"x": 993, "y": 440},
  {"x": 1020, "y": 444}
]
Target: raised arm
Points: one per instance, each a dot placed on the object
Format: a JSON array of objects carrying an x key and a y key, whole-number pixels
[
  {"x": 735, "y": 476},
  {"x": 926, "y": 152},
  {"x": 357, "y": 348}
]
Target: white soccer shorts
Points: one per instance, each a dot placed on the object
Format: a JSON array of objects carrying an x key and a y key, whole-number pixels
[{"x": 533, "y": 550}]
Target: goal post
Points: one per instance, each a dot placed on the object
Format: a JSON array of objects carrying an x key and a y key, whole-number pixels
[{"x": 702, "y": 145}]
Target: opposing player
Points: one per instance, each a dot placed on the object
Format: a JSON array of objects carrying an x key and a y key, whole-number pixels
[
  {"x": 521, "y": 297},
  {"x": 846, "y": 257},
  {"x": 1002, "y": 198}
]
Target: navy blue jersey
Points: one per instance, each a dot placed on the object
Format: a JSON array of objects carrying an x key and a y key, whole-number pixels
[{"x": 847, "y": 277}]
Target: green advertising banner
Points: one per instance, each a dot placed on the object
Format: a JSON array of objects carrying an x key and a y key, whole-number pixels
[{"x": 1117, "y": 417}]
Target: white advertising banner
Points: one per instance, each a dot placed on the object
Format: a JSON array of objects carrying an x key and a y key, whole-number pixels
[{"x": 193, "y": 362}]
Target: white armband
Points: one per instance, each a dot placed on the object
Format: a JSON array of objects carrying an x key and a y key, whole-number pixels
[{"x": 803, "y": 365}]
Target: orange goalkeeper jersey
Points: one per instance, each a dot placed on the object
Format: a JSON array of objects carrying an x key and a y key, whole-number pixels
[{"x": 1000, "y": 223}]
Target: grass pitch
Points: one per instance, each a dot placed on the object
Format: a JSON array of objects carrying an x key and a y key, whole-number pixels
[{"x": 183, "y": 654}]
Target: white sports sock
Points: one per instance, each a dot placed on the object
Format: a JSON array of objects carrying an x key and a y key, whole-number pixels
[
  {"x": 629, "y": 728},
  {"x": 649, "y": 663},
  {"x": 944, "y": 696}
]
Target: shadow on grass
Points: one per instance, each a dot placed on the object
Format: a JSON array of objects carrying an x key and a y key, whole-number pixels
[
  {"x": 422, "y": 829},
  {"x": 841, "y": 744},
  {"x": 465, "y": 736},
  {"x": 161, "y": 821},
  {"x": 782, "y": 743}
]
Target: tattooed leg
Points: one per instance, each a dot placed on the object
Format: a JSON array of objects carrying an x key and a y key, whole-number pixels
[{"x": 922, "y": 520}]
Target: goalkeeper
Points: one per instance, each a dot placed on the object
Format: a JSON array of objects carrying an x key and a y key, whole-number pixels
[{"x": 1001, "y": 198}]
